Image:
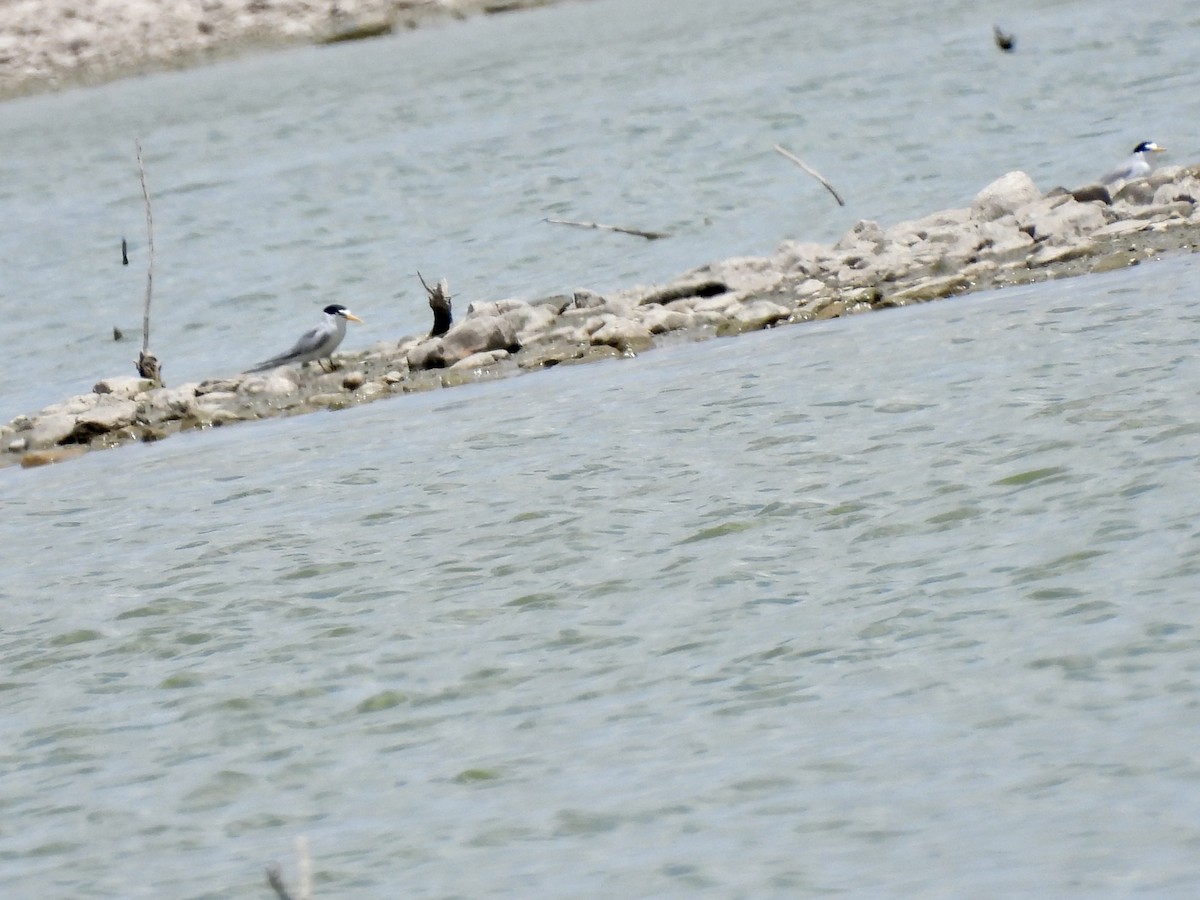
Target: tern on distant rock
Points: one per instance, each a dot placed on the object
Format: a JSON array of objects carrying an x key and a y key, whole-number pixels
[
  {"x": 317, "y": 343},
  {"x": 1139, "y": 164}
]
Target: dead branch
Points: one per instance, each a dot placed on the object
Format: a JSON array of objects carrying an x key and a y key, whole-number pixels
[
  {"x": 439, "y": 302},
  {"x": 147, "y": 364},
  {"x": 811, "y": 171},
  {"x": 149, "y": 367},
  {"x": 620, "y": 229}
]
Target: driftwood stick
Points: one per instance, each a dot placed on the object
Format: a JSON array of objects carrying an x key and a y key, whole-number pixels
[
  {"x": 150, "y": 248},
  {"x": 620, "y": 229},
  {"x": 439, "y": 302},
  {"x": 147, "y": 364},
  {"x": 811, "y": 171}
]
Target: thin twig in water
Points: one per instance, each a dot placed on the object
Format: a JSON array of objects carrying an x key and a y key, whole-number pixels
[
  {"x": 636, "y": 232},
  {"x": 150, "y": 249},
  {"x": 147, "y": 364},
  {"x": 811, "y": 171}
]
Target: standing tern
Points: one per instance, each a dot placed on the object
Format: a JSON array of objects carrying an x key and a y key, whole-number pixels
[
  {"x": 1138, "y": 165},
  {"x": 317, "y": 343}
]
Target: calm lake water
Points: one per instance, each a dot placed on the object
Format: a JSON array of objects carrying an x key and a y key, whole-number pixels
[{"x": 900, "y": 605}]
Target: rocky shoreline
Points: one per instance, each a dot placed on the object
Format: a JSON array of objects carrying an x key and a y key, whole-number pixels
[
  {"x": 1011, "y": 234},
  {"x": 51, "y": 44}
]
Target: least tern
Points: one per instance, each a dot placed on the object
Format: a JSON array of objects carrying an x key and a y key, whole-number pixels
[
  {"x": 317, "y": 343},
  {"x": 1138, "y": 165}
]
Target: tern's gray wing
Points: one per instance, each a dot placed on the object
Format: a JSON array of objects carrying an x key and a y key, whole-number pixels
[
  {"x": 1137, "y": 166},
  {"x": 1122, "y": 172},
  {"x": 302, "y": 351}
]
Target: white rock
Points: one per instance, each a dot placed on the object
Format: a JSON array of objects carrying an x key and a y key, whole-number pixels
[
  {"x": 497, "y": 307},
  {"x": 1135, "y": 193},
  {"x": 218, "y": 398},
  {"x": 798, "y": 256},
  {"x": 476, "y": 335},
  {"x": 864, "y": 237},
  {"x": 71, "y": 407},
  {"x": 582, "y": 298},
  {"x": 1049, "y": 253},
  {"x": 808, "y": 287},
  {"x": 760, "y": 313},
  {"x": 169, "y": 403},
  {"x": 1180, "y": 209},
  {"x": 110, "y": 415},
  {"x": 916, "y": 231},
  {"x": 371, "y": 389},
  {"x": 1063, "y": 223},
  {"x": 274, "y": 383},
  {"x": 533, "y": 321},
  {"x": 1002, "y": 241},
  {"x": 721, "y": 303},
  {"x": 1005, "y": 195},
  {"x": 1164, "y": 175},
  {"x": 570, "y": 334},
  {"x": 1185, "y": 189},
  {"x": 659, "y": 319},
  {"x": 426, "y": 355},
  {"x": 622, "y": 333},
  {"x": 225, "y": 416},
  {"x": 1121, "y": 226},
  {"x": 48, "y": 431},
  {"x": 124, "y": 386},
  {"x": 479, "y": 360}
]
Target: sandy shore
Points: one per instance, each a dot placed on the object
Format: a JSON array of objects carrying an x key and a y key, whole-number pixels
[{"x": 49, "y": 44}]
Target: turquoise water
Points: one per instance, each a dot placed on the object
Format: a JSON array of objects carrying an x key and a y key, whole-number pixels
[{"x": 899, "y": 605}]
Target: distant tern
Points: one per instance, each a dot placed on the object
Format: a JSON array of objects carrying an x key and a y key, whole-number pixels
[
  {"x": 1005, "y": 40},
  {"x": 1138, "y": 165},
  {"x": 317, "y": 343}
]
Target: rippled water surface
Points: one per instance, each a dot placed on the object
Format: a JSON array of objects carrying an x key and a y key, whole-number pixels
[{"x": 901, "y": 605}]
